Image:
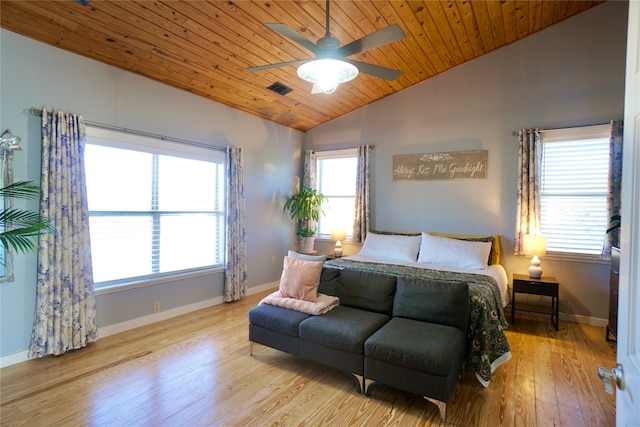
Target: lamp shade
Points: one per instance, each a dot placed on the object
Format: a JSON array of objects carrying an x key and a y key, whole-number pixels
[
  {"x": 327, "y": 74},
  {"x": 535, "y": 245},
  {"x": 338, "y": 233}
]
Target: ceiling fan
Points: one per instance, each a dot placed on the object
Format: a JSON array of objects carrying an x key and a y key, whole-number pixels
[{"x": 330, "y": 67}]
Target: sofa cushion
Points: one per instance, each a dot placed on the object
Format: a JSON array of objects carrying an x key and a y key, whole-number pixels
[
  {"x": 329, "y": 281},
  {"x": 366, "y": 290},
  {"x": 432, "y": 301},
  {"x": 422, "y": 346},
  {"x": 277, "y": 319},
  {"x": 343, "y": 328}
]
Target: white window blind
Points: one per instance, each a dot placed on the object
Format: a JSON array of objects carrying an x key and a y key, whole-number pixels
[
  {"x": 573, "y": 192},
  {"x": 156, "y": 208},
  {"x": 337, "y": 182}
]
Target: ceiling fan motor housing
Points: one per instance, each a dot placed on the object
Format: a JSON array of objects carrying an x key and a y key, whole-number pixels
[{"x": 327, "y": 45}]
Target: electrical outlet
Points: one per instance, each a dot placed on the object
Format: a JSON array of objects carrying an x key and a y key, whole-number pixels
[{"x": 156, "y": 306}]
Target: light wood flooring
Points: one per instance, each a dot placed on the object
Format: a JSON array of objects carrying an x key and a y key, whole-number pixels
[{"x": 195, "y": 370}]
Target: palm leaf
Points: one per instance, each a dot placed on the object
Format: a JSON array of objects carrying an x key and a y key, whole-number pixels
[
  {"x": 20, "y": 228},
  {"x": 21, "y": 190}
]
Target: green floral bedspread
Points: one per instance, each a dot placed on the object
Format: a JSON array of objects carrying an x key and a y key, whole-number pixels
[{"x": 487, "y": 340}]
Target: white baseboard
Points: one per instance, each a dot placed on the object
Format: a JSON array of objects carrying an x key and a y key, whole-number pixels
[
  {"x": 168, "y": 314},
  {"x": 566, "y": 317},
  {"x": 14, "y": 358},
  {"x": 116, "y": 328},
  {"x": 577, "y": 318}
]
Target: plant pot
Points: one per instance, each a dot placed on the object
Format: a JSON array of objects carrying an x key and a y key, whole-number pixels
[{"x": 306, "y": 244}]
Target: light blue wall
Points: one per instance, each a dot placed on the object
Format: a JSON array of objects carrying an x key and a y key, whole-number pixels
[
  {"x": 37, "y": 75},
  {"x": 570, "y": 74}
]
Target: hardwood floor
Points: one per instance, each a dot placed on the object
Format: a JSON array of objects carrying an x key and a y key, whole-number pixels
[{"x": 195, "y": 370}]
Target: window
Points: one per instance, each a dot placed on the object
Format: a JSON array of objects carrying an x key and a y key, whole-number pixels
[
  {"x": 337, "y": 182},
  {"x": 155, "y": 208},
  {"x": 573, "y": 191}
]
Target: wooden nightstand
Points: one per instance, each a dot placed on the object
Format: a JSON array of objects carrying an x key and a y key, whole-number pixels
[{"x": 546, "y": 286}]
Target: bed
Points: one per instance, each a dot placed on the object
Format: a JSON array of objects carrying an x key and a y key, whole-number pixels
[{"x": 452, "y": 258}]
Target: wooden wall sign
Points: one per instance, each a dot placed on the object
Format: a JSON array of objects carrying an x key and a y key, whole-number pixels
[{"x": 439, "y": 166}]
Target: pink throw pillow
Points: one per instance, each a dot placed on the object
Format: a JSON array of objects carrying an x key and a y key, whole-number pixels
[{"x": 300, "y": 279}]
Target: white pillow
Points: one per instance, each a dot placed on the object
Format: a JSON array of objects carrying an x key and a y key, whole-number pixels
[
  {"x": 298, "y": 255},
  {"x": 454, "y": 252},
  {"x": 391, "y": 247}
]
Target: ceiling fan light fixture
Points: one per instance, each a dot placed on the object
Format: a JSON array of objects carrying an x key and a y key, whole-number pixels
[{"x": 327, "y": 74}]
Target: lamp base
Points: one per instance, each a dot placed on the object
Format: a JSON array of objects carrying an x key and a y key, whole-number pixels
[
  {"x": 535, "y": 271},
  {"x": 337, "y": 251}
]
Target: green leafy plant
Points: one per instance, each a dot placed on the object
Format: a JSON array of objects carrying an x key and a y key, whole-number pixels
[
  {"x": 20, "y": 228},
  {"x": 306, "y": 207}
]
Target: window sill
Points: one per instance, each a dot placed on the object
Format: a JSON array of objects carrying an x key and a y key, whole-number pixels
[
  {"x": 133, "y": 284},
  {"x": 574, "y": 257}
]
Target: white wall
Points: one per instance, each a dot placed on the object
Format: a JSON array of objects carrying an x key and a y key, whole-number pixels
[
  {"x": 37, "y": 75},
  {"x": 571, "y": 74}
]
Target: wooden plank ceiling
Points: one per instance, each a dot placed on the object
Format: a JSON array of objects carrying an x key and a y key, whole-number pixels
[{"x": 204, "y": 46}]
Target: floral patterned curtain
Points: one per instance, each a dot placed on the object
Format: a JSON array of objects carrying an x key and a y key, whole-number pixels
[
  {"x": 528, "y": 201},
  {"x": 65, "y": 317},
  {"x": 310, "y": 173},
  {"x": 361, "y": 223},
  {"x": 235, "y": 284},
  {"x": 615, "y": 184}
]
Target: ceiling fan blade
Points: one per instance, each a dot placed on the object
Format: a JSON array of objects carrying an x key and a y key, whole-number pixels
[
  {"x": 287, "y": 31},
  {"x": 280, "y": 64},
  {"x": 381, "y": 37},
  {"x": 375, "y": 70}
]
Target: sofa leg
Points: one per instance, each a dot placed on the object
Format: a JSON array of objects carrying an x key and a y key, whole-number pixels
[
  {"x": 251, "y": 343},
  {"x": 359, "y": 380},
  {"x": 442, "y": 406},
  {"x": 371, "y": 385}
]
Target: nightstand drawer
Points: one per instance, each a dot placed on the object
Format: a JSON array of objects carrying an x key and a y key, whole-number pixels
[{"x": 536, "y": 288}]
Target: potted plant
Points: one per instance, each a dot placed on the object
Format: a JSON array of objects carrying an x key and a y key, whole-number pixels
[
  {"x": 20, "y": 228},
  {"x": 305, "y": 207}
]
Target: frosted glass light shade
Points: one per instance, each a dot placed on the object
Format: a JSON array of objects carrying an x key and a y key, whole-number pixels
[
  {"x": 338, "y": 233},
  {"x": 535, "y": 245},
  {"x": 327, "y": 74}
]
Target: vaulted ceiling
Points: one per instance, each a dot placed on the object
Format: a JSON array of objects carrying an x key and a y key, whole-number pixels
[{"x": 204, "y": 46}]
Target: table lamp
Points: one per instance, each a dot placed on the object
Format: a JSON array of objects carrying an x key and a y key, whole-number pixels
[
  {"x": 535, "y": 246},
  {"x": 338, "y": 234}
]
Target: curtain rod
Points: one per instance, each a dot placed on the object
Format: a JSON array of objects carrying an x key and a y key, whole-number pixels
[
  {"x": 346, "y": 148},
  {"x": 38, "y": 112},
  {"x": 515, "y": 132}
]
